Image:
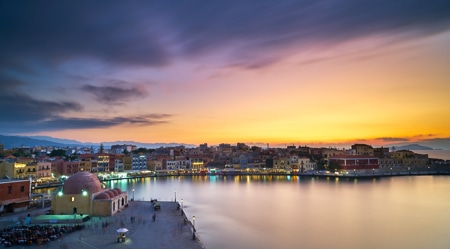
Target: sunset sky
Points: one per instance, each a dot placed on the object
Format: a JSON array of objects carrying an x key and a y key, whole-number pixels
[{"x": 277, "y": 72}]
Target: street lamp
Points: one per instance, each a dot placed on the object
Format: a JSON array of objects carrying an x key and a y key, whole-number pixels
[
  {"x": 175, "y": 191},
  {"x": 391, "y": 171},
  {"x": 133, "y": 194},
  {"x": 193, "y": 227},
  {"x": 373, "y": 171}
]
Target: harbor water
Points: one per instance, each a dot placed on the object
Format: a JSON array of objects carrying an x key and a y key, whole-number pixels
[{"x": 284, "y": 212}]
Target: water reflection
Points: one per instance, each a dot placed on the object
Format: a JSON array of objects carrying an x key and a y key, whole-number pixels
[{"x": 285, "y": 212}]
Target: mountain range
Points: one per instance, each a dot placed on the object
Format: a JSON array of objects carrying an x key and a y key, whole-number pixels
[{"x": 10, "y": 142}]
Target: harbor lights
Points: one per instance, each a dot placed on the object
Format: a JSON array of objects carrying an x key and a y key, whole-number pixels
[{"x": 193, "y": 227}]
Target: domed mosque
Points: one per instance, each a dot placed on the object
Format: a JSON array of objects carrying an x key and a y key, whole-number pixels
[{"x": 82, "y": 193}]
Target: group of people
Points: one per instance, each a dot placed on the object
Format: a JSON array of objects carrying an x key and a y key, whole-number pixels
[{"x": 36, "y": 234}]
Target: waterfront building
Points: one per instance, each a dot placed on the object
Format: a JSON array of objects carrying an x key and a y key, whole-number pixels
[
  {"x": 281, "y": 164},
  {"x": 15, "y": 195},
  {"x": 118, "y": 165},
  {"x": 330, "y": 152},
  {"x": 30, "y": 170},
  {"x": 355, "y": 162},
  {"x": 82, "y": 194},
  {"x": 69, "y": 168},
  {"x": 127, "y": 163},
  {"x": 43, "y": 169},
  {"x": 102, "y": 162},
  {"x": 180, "y": 163},
  {"x": 198, "y": 162},
  {"x": 363, "y": 149},
  {"x": 390, "y": 162},
  {"x": 256, "y": 164},
  {"x": 402, "y": 154},
  {"x": 306, "y": 164},
  {"x": 84, "y": 165},
  {"x": 56, "y": 163},
  {"x": 139, "y": 162},
  {"x": 13, "y": 170},
  {"x": 382, "y": 152}
]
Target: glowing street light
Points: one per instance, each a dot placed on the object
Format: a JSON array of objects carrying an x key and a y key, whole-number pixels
[
  {"x": 175, "y": 194},
  {"x": 133, "y": 194}
]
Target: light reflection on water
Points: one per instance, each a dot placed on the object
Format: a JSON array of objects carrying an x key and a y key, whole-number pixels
[{"x": 284, "y": 212}]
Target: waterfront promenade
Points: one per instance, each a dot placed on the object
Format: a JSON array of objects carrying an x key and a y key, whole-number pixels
[{"x": 168, "y": 231}]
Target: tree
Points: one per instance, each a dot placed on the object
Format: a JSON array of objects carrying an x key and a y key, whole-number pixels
[
  {"x": 58, "y": 152},
  {"x": 334, "y": 165}
]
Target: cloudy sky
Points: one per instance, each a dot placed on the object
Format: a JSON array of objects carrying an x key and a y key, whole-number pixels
[{"x": 277, "y": 72}]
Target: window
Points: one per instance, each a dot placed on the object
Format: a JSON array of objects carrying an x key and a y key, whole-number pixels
[
  {"x": 9, "y": 189},
  {"x": 72, "y": 198},
  {"x": 22, "y": 189}
]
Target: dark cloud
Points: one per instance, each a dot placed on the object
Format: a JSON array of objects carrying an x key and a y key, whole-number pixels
[
  {"x": 57, "y": 31},
  {"x": 258, "y": 28},
  {"x": 55, "y": 123},
  {"x": 146, "y": 32},
  {"x": 16, "y": 108},
  {"x": 115, "y": 95},
  {"x": 393, "y": 139},
  {"x": 22, "y": 113}
]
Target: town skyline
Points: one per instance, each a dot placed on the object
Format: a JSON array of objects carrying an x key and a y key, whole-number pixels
[{"x": 295, "y": 73}]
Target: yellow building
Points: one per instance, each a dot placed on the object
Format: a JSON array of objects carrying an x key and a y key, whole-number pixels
[
  {"x": 82, "y": 194},
  {"x": 127, "y": 163},
  {"x": 30, "y": 170},
  {"x": 13, "y": 170}
]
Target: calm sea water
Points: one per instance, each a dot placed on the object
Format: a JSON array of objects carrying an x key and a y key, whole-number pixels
[{"x": 254, "y": 212}]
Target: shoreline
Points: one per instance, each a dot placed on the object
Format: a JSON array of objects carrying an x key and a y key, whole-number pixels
[{"x": 382, "y": 172}]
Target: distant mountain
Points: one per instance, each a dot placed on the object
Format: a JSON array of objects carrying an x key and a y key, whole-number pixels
[
  {"x": 31, "y": 141},
  {"x": 56, "y": 140},
  {"x": 147, "y": 145},
  {"x": 18, "y": 141},
  {"x": 412, "y": 147}
]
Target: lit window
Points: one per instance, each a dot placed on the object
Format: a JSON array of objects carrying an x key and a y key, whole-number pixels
[{"x": 72, "y": 199}]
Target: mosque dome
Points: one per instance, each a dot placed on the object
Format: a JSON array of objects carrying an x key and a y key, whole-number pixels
[
  {"x": 102, "y": 196},
  {"x": 110, "y": 193},
  {"x": 116, "y": 193},
  {"x": 119, "y": 191},
  {"x": 80, "y": 181}
]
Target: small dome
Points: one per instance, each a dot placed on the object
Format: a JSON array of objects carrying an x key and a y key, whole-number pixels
[
  {"x": 110, "y": 193},
  {"x": 80, "y": 181},
  {"x": 102, "y": 196},
  {"x": 116, "y": 193},
  {"x": 119, "y": 191}
]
